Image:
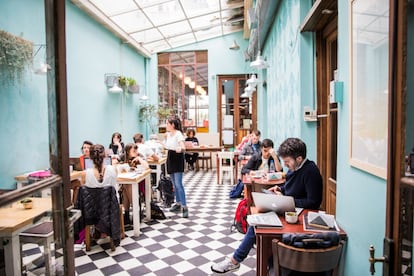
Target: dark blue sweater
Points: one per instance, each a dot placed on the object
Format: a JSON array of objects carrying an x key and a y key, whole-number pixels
[{"x": 305, "y": 185}]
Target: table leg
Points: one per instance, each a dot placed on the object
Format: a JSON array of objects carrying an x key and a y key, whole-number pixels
[
  {"x": 135, "y": 209},
  {"x": 218, "y": 168},
  {"x": 12, "y": 258},
  {"x": 157, "y": 180},
  {"x": 148, "y": 190},
  {"x": 263, "y": 254}
]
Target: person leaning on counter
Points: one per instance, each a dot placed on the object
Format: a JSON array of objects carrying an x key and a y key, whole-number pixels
[{"x": 303, "y": 183}]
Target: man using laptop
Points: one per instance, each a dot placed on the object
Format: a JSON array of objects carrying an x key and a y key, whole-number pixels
[{"x": 303, "y": 183}]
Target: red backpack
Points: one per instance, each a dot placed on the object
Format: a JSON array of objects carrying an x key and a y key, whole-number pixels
[{"x": 240, "y": 217}]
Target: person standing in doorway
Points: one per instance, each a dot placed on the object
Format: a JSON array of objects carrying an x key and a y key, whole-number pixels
[{"x": 174, "y": 143}]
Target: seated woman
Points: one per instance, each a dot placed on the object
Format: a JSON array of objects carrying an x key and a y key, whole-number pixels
[
  {"x": 191, "y": 157},
  {"x": 85, "y": 152},
  {"x": 116, "y": 145},
  {"x": 133, "y": 159},
  {"x": 100, "y": 175}
]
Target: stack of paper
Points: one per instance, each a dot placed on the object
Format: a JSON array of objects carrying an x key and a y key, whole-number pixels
[{"x": 269, "y": 219}]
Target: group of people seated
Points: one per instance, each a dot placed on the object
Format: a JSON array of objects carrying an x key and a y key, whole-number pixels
[
  {"x": 102, "y": 174},
  {"x": 303, "y": 180}
]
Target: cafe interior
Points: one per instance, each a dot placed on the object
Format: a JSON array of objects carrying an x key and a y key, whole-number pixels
[{"x": 333, "y": 73}]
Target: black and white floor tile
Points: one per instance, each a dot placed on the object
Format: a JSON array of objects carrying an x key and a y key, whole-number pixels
[{"x": 176, "y": 246}]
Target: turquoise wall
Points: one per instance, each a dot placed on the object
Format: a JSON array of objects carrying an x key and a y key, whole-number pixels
[
  {"x": 361, "y": 198},
  {"x": 94, "y": 113},
  {"x": 221, "y": 61},
  {"x": 24, "y": 132},
  {"x": 290, "y": 78}
]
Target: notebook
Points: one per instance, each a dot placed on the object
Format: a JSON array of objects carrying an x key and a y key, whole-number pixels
[
  {"x": 89, "y": 163},
  {"x": 272, "y": 202}
]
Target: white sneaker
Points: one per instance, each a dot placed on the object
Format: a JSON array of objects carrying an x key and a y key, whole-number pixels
[{"x": 224, "y": 266}]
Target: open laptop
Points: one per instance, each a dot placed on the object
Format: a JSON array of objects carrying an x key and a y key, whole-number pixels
[
  {"x": 272, "y": 202},
  {"x": 89, "y": 163}
]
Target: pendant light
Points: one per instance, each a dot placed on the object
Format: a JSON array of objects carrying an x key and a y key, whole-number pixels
[
  {"x": 253, "y": 81},
  {"x": 115, "y": 88},
  {"x": 259, "y": 62}
]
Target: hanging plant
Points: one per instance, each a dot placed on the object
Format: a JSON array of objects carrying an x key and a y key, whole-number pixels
[{"x": 16, "y": 54}]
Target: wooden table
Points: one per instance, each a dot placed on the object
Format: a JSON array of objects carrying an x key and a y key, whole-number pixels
[
  {"x": 23, "y": 179},
  {"x": 264, "y": 237},
  {"x": 134, "y": 179},
  {"x": 158, "y": 170},
  {"x": 252, "y": 184},
  {"x": 13, "y": 220}
]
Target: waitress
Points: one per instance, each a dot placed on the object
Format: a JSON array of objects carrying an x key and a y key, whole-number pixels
[{"x": 174, "y": 143}]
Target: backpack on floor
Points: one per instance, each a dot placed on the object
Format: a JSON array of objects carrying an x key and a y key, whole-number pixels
[
  {"x": 166, "y": 188},
  {"x": 156, "y": 212},
  {"x": 237, "y": 190},
  {"x": 240, "y": 217}
]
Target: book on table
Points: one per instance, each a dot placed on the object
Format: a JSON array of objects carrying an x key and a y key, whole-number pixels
[
  {"x": 315, "y": 221},
  {"x": 263, "y": 220}
]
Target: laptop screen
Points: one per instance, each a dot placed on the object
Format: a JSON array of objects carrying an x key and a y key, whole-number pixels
[{"x": 89, "y": 163}]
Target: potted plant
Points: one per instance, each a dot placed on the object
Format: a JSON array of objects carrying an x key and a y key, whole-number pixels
[
  {"x": 27, "y": 203},
  {"x": 148, "y": 112},
  {"x": 128, "y": 84},
  {"x": 16, "y": 54}
]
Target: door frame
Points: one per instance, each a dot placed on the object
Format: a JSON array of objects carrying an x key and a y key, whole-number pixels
[
  {"x": 323, "y": 108},
  {"x": 236, "y": 138},
  {"x": 396, "y": 132}
]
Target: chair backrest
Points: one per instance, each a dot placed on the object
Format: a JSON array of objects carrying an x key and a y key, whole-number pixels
[
  {"x": 100, "y": 207},
  {"x": 286, "y": 257},
  {"x": 225, "y": 155}
]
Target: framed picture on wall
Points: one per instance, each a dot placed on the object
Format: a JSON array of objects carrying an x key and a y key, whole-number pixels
[{"x": 369, "y": 85}]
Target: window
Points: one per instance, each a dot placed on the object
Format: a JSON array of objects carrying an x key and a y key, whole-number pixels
[{"x": 183, "y": 87}]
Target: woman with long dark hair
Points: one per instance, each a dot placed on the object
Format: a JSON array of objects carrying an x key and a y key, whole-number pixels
[
  {"x": 100, "y": 175},
  {"x": 174, "y": 143}
]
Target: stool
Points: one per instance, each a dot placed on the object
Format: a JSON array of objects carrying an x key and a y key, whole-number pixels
[
  {"x": 41, "y": 234},
  {"x": 224, "y": 157}
]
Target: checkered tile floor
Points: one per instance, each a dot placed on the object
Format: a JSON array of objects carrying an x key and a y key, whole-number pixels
[{"x": 176, "y": 246}]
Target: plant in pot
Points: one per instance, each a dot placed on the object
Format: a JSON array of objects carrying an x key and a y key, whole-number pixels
[
  {"x": 149, "y": 112},
  {"x": 16, "y": 55},
  {"x": 27, "y": 203},
  {"x": 128, "y": 84}
]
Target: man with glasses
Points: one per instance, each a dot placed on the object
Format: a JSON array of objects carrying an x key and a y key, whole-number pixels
[{"x": 303, "y": 183}]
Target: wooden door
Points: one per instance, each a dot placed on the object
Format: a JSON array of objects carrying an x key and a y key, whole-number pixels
[
  {"x": 327, "y": 113},
  {"x": 398, "y": 241},
  {"x": 231, "y": 105}
]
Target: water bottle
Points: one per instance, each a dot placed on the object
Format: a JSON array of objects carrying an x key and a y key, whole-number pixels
[{"x": 272, "y": 167}]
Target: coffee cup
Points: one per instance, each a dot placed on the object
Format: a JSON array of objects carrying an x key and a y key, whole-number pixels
[{"x": 291, "y": 217}]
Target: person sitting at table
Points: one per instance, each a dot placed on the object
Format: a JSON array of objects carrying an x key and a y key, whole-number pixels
[
  {"x": 303, "y": 183},
  {"x": 262, "y": 160},
  {"x": 85, "y": 152},
  {"x": 143, "y": 148},
  {"x": 251, "y": 147},
  {"x": 133, "y": 159},
  {"x": 244, "y": 140},
  {"x": 191, "y": 157},
  {"x": 100, "y": 176},
  {"x": 116, "y": 145}
]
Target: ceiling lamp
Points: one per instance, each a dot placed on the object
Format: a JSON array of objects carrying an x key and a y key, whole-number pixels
[
  {"x": 248, "y": 91},
  {"x": 253, "y": 81},
  {"x": 259, "y": 62},
  {"x": 234, "y": 46},
  {"x": 192, "y": 85},
  {"x": 187, "y": 80},
  {"x": 42, "y": 69},
  {"x": 115, "y": 88}
]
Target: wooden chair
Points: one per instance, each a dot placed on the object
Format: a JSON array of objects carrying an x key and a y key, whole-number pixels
[
  {"x": 204, "y": 159},
  {"x": 97, "y": 206},
  {"x": 326, "y": 261},
  {"x": 224, "y": 157}
]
